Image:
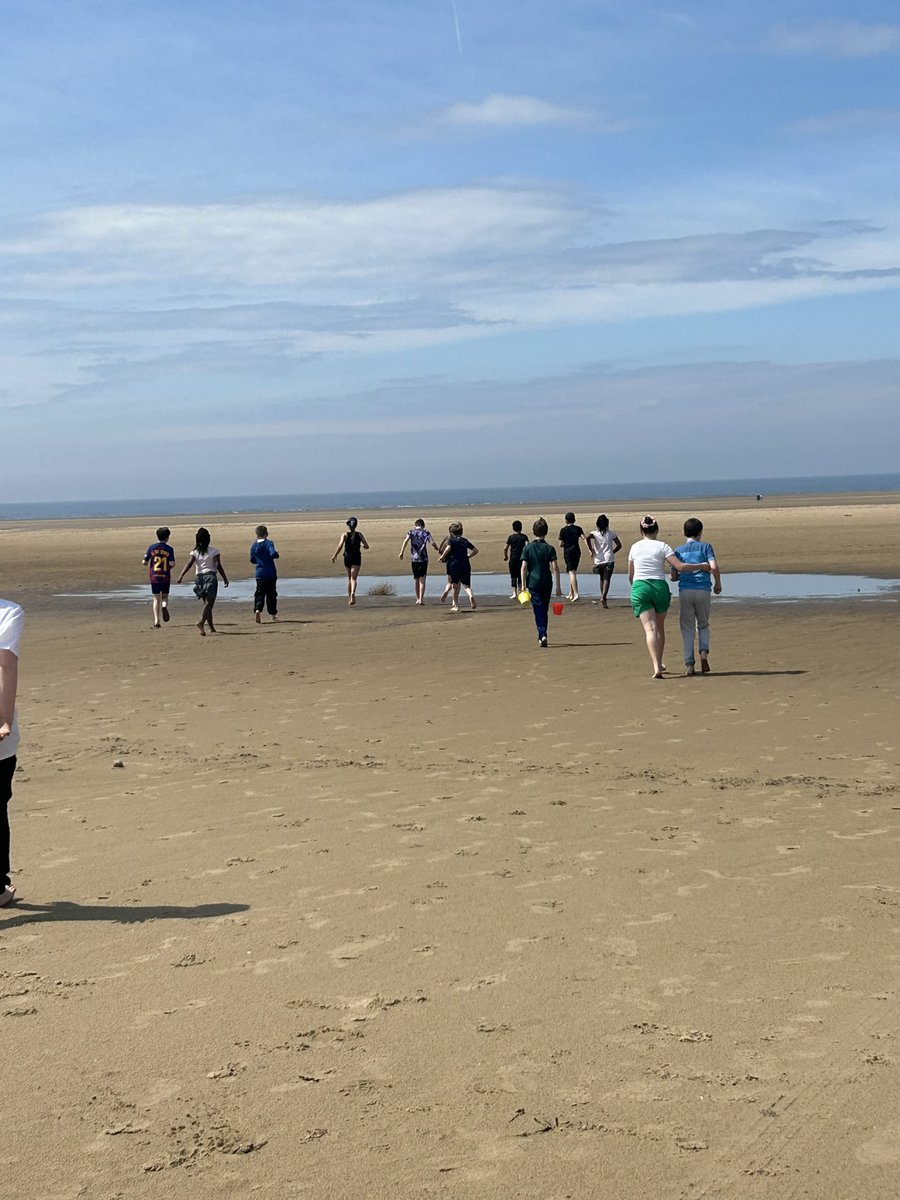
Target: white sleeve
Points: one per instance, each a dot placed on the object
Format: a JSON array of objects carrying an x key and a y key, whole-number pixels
[
  {"x": 12, "y": 620},
  {"x": 667, "y": 549}
]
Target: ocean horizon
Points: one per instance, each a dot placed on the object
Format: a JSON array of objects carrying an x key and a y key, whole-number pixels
[{"x": 431, "y": 498}]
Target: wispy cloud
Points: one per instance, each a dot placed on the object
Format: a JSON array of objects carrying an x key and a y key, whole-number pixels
[
  {"x": 514, "y": 112},
  {"x": 836, "y": 39},
  {"x": 852, "y": 120}
]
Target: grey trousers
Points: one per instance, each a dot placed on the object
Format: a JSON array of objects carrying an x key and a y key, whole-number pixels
[{"x": 693, "y": 614}]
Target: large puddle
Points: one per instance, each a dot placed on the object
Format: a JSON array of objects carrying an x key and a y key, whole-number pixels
[{"x": 750, "y": 585}]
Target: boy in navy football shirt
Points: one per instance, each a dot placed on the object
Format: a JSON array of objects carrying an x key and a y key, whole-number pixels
[{"x": 159, "y": 560}]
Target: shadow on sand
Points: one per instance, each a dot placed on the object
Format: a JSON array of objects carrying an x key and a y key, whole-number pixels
[{"x": 65, "y": 910}]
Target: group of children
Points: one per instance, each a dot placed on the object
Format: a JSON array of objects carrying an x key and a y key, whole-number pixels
[{"x": 534, "y": 574}]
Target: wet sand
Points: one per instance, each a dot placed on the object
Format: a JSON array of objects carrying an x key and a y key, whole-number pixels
[{"x": 387, "y": 902}]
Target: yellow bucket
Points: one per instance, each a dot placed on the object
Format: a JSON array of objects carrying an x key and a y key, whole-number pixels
[{"x": 524, "y": 596}]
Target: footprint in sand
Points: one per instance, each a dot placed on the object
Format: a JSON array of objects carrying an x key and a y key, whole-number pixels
[
  {"x": 882, "y": 1149},
  {"x": 351, "y": 951}
]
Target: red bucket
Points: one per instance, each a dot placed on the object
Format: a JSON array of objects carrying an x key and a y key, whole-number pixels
[{"x": 558, "y": 608}]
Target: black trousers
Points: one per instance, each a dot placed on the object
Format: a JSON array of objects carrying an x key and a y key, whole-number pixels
[
  {"x": 7, "y": 770},
  {"x": 266, "y": 596}
]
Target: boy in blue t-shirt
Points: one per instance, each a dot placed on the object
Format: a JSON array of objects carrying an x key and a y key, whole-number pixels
[
  {"x": 159, "y": 561},
  {"x": 694, "y": 594},
  {"x": 263, "y": 554}
]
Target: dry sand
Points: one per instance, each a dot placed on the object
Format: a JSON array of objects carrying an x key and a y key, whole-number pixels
[{"x": 389, "y": 903}]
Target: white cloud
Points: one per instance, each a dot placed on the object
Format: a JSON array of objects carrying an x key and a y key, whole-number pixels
[
  {"x": 508, "y": 112},
  {"x": 385, "y": 241},
  {"x": 836, "y": 39}
]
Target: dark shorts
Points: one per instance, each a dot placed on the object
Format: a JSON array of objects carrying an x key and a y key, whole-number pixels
[
  {"x": 515, "y": 570},
  {"x": 352, "y": 560},
  {"x": 572, "y": 558},
  {"x": 160, "y": 587},
  {"x": 604, "y": 570},
  {"x": 458, "y": 572},
  {"x": 419, "y": 569}
]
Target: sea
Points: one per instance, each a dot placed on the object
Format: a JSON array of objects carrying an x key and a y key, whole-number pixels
[{"x": 427, "y": 499}]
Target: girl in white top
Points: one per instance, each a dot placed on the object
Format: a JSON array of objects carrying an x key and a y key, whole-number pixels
[
  {"x": 604, "y": 545},
  {"x": 208, "y": 567},
  {"x": 649, "y": 562}
]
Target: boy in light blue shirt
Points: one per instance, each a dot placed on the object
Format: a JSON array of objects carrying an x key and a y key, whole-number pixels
[
  {"x": 263, "y": 555},
  {"x": 694, "y": 598}
]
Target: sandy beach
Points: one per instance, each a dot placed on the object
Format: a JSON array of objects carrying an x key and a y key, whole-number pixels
[{"x": 386, "y": 902}]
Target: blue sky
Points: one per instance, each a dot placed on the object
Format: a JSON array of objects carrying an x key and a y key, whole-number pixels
[{"x": 340, "y": 244}]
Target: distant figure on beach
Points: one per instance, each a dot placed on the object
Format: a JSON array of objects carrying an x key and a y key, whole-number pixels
[
  {"x": 418, "y": 539},
  {"x": 12, "y": 619},
  {"x": 570, "y": 542},
  {"x": 539, "y": 569},
  {"x": 650, "y": 596},
  {"x": 512, "y": 554},
  {"x": 159, "y": 561},
  {"x": 351, "y": 545},
  {"x": 263, "y": 555},
  {"x": 458, "y": 550},
  {"x": 604, "y": 545},
  {"x": 207, "y": 569},
  {"x": 694, "y": 597}
]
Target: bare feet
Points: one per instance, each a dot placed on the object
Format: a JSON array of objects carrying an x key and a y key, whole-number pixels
[
  {"x": 257, "y": 616},
  {"x": 605, "y": 605},
  {"x": 7, "y": 896},
  {"x": 454, "y": 608},
  {"x": 689, "y": 671},
  {"x": 352, "y": 601},
  {"x": 474, "y": 603},
  {"x": 202, "y": 630},
  {"x": 157, "y": 626},
  {"x": 165, "y": 612},
  {"x": 659, "y": 675},
  {"x": 704, "y": 664}
]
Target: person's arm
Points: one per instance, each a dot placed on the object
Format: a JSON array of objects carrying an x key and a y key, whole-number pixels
[
  {"x": 472, "y": 551},
  {"x": 403, "y": 547},
  {"x": 524, "y": 574},
  {"x": 717, "y": 576},
  {"x": 221, "y": 569},
  {"x": 678, "y": 566},
  {"x": 631, "y": 570},
  {"x": 275, "y": 553},
  {"x": 185, "y": 568},
  {"x": 618, "y": 546},
  {"x": 364, "y": 543},
  {"x": 9, "y": 679},
  {"x": 340, "y": 546},
  {"x": 253, "y": 553},
  {"x": 506, "y": 552}
]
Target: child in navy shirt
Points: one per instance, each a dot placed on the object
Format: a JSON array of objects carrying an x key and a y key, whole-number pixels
[{"x": 159, "y": 560}]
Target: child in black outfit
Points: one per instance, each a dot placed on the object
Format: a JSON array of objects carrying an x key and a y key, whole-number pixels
[{"x": 512, "y": 554}]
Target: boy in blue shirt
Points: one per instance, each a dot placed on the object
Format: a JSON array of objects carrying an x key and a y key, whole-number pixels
[
  {"x": 159, "y": 561},
  {"x": 263, "y": 554},
  {"x": 694, "y": 594}
]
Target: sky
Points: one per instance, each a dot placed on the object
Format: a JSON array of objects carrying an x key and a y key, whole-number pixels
[{"x": 335, "y": 245}]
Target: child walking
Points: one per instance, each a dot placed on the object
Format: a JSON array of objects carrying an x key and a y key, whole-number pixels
[
  {"x": 694, "y": 597},
  {"x": 570, "y": 543},
  {"x": 457, "y": 553},
  {"x": 604, "y": 545},
  {"x": 207, "y": 569},
  {"x": 418, "y": 539},
  {"x": 263, "y": 555},
  {"x": 159, "y": 560},
  {"x": 512, "y": 554},
  {"x": 539, "y": 569}
]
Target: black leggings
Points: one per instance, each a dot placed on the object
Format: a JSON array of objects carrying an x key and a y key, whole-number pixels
[{"x": 7, "y": 770}]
